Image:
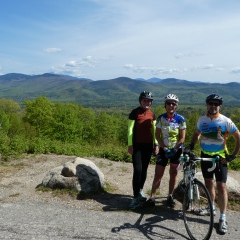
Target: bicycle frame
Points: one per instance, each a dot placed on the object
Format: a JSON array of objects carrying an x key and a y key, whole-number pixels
[{"x": 196, "y": 197}]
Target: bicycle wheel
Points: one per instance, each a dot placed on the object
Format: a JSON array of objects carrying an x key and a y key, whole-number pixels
[{"x": 198, "y": 221}]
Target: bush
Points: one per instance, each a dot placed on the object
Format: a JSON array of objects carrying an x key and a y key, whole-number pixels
[{"x": 235, "y": 165}]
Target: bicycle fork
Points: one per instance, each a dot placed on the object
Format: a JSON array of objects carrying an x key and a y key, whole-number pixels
[{"x": 194, "y": 196}]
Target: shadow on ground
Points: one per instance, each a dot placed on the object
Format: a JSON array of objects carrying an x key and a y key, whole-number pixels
[{"x": 151, "y": 226}]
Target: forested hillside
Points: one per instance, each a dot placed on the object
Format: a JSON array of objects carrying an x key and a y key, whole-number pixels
[{"x": 119, "y": 92}]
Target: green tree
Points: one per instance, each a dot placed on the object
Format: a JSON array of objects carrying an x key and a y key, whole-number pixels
[
  {"x": 67, "y": 125},
  {"x": 104, "y": 128},
  {"x": 159, "y": 110},
  {"x": 9, "y": 106},
  {"x": 120, "y": 123},
  {"x": 235, "y": 117},
  {"x": 39, "y": 113},
  {"x": 191, "y": 121},
  {"x": 88, "y": 130},
  {"x": 4, "y": 122}
]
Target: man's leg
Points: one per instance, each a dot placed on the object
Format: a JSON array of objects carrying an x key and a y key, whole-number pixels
[
  {"x": 222, "y": 196},
  {"x": 222, "y": 203},
  {"x": 209, "y": 183}
]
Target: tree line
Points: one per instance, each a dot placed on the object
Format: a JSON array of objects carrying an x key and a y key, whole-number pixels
[{"x": 42, "y": 126}]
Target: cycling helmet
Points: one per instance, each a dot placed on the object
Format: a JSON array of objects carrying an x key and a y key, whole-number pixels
[
  {"x": 171, "y": 97},
  {"x": 145, "y": 94},
  {"x": 214, "y": 96}
]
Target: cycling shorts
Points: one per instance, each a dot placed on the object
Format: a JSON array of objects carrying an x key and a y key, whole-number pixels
[
  {"x": 162, "y": 160},
  {"x": 220, "y": 171}
]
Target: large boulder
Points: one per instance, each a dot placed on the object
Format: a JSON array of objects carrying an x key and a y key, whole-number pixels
[
  {"x": 80, "y": 174},
  {"x": 233, "y": 186}
]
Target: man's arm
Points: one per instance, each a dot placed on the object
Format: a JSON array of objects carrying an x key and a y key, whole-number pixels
[
  {"x": 236, "y": 135},
  {"x": 231, "y": 157},
  {"x": 194, "y": 140}
]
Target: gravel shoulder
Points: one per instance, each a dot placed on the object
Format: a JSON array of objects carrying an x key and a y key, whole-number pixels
[
  {"x": 19, "y": 179},
  {"x": 29, "y": 214}
]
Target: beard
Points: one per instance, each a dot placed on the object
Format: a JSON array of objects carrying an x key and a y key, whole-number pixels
[{"x": 213, "y": 111}]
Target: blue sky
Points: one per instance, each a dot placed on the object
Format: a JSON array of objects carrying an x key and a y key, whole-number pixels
[{"x": 196, "y": 40}]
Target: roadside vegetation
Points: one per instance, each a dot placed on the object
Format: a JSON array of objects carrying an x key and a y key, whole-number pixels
[{"x": 42, "y": 126}]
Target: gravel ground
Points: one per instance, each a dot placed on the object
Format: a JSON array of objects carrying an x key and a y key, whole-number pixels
[{"x": 29, "y": 214}]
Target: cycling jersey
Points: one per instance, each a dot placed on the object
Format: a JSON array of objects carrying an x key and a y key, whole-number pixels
[
  {"x": 141, "y": 126},
  {"x": 170, "y": 128},
  {"x": 214, "y": 133}
]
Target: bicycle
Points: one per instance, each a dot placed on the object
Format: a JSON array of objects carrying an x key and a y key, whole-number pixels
[{"x": 197, "y": 205}]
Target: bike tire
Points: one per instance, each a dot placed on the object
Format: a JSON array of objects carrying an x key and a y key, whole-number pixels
[{"x": 198, "y": 225}]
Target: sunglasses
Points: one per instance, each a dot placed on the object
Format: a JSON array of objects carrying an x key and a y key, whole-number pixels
[
  {"x": 171, "y": 103},
  {"x": 146, "y": 100},
  {"x": 213, "y": 104}
]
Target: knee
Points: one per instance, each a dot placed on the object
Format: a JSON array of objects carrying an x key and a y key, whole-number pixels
[
  {"x": 173, "y": 170},
  {"x": 222, "y": 188},
  {"x": 209, "y": 183},
  {"x": 158, "y": 177}
]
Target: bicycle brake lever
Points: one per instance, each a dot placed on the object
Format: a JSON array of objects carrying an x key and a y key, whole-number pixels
[{"x": 214, "y": 160}]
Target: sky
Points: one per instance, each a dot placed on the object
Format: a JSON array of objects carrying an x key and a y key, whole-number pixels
[{"x": 195, "y": 40}]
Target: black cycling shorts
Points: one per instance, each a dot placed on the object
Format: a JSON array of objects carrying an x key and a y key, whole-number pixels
[
  {"x": 220, "y": 171},
  {"x": 162, "y": 160}
]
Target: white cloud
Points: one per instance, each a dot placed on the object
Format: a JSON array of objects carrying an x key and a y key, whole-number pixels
[
  {"x": 162, "y": 70},
  {"x": 52, "y": 50},
  {"x": 76, "y": 67},
  {"x": 208, "y": 66},
  {"x": 128, "y": 66},
  {"x": 183, "y": 55},
  {"x": 235, "y": 70}
]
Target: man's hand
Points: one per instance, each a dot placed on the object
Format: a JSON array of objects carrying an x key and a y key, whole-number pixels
[{"x": 188, "y": 148}]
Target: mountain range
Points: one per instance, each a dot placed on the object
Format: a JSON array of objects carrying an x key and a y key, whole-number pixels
[{"x": 118, "y": 92}]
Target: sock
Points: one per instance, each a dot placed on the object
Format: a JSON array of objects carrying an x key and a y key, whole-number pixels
[{"x": 222, "y": 216}]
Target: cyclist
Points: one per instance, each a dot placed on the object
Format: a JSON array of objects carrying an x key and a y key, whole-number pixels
[
  {"x": 141, "y": 144},
  {"x": 170, "y": 133},
  {"x": 214, "y": 128}
]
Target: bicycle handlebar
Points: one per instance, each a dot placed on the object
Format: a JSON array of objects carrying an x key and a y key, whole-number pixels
[{"x": 187, "y": 158}]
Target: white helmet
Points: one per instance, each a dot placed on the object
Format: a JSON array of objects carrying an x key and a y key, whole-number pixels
[{"x": 171, "y": 97}]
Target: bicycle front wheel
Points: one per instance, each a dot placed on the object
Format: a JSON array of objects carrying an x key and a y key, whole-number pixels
[{"x": 198, "y": 211}]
